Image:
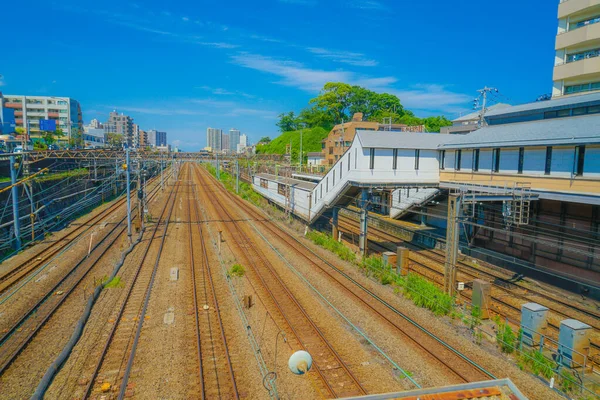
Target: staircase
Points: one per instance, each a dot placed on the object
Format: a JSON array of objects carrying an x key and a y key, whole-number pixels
[{"x": 406, "y": 198}]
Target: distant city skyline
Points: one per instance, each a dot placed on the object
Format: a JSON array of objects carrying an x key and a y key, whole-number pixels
[{"x": 268, "y": 64}]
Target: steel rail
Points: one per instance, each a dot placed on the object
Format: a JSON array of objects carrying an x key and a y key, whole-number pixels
[{"x": 226, "y": 216}]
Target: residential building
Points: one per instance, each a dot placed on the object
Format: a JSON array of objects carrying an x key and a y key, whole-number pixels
[
  {"x": 94, "y": 123},
  {"x": 214, "y": 139},
  {"x": 157, "y": 138},
  {"x": 577, "y": 65},
  {"x": 234, "y": 140},
  {"x": 120, "y": 124},
  {"x": 315, "y": 158},
  {"x": 244, "y": 140},
  {"x": 143, "y": 139},
  {"x": 136, "y": 136},
  {"x": 225, "y": 142},
  {"x": 30, "y": 110},
  {"x": 470, "y": 122},
  {"x": 93, "y": 135}
]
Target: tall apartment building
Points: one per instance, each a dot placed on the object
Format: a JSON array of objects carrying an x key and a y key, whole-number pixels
[
  {"x": 7, "y": 117},
  {"x": 577, "y": 65},
  {"x": 30, "y": 110},
  {"x": 225, "y": 142},
  {"x": 157, "y": 138},
  {"x": 234, "y": 140},
  {"x": 120, "y": 124},
  {"x": 213, "y": 139},
  {"x": 143, "y": 139}
]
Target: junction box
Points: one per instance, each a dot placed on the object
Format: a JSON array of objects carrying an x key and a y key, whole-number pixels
[{"x": 534, "y": 321}]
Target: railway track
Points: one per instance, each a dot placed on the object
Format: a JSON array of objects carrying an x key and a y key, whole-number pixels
[
  {"x": 113, "y": 364},
  {"x": 23, "y": 331},
  {"x": 217, "y": 379},
  {"x": 334, "y": 375},
  {"x": 590, "y": 317},
  {"x": 19, "y": 272},
  {"x": 432, "y": 346}
]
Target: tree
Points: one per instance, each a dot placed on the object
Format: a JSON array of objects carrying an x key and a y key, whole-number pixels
[
  {"x": 50, "y": 137},
  {"x": 264, "y": 139},
  {"x": 114, "y": 139},
  {"x": 287, "y": 122},
  {"x": 313, "y": 117},
  {"x": 335, "y": 100},
  {"x": 19, "y": 130}
]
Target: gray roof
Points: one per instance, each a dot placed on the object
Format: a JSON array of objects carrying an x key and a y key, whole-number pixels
[
  {"x": 547, "y": 132},
  {"x": 288, "y": 181},
  {"x": 560, "y": 102},
  {"x": 475, "y": 115},
  {"x": 315, "y": 154},
  {"x": 401, "y": 140}
]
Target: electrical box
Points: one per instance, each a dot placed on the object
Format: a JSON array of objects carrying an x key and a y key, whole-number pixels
[
  {"x": 533, "y": 322},
  {"x": 402, "y": 254},
  {"x": 482, "y": 291},
  {"x": 389, "y": 258},
  {"x": 573, "y": 342}
]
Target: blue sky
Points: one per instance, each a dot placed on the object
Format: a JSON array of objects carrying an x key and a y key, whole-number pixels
[{"x": 184, "y": 66}]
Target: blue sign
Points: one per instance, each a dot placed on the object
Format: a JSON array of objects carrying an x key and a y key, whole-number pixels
[{"x": 48, "y": 125}]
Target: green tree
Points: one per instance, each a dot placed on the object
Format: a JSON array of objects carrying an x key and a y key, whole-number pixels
[
  {"x": 264, "y": 139},
  {"x": 335, "y": 100},
  {"x": 114, "y": 139},
  {"x": 50, "y": 137},
  {"x": 314, "y": 117},
  {"x": 287, "y": 122}
]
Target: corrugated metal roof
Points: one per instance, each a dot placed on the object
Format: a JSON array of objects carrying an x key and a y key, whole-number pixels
[
  {"x": 561, "y": 102},
  {"x": 288, "y": 181},
  {"x": 401, "y": 140},
  {"x": 574, "y": 130},
  {"x": 475, "y": 115}
]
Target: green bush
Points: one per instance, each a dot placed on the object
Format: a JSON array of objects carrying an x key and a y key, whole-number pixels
[
  {"x": 330, "y": 244},
  {"x": 505, "y": 337},
  {"x": 426, "y": 294},
  {"x": 237, "y": 270}
]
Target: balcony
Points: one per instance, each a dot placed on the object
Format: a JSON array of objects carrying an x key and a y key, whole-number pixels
[
  {"x": 52, "y": 115},
  {"x": 577, "y": 69},
  {"x": 579, "y": 36},
  {"x": 18, "y": 113},
  {"x": 19, "y": 121},
  {"x": 13, "y": 105},
  {"x": 570, "y": 7}
]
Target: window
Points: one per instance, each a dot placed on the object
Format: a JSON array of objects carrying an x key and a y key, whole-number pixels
[
  {"x": 476, "y": 160},
  {"x": 327, "y": 184},
  {"x": 395, "y": 159},
  {"x": 281, "y": 189},
  {"x": 581, "y": 24},
  {"x": 579, "y": 160},
  {"x": 371, "y": 158},
  {"x": 521, "y": 159},
  {"x": 264, "y": 183},
  {"x": 337, "y": 144},
  {"x": 457, "y": 160},
  {"x": 548, "y": 166},
  {"x": 593, "y": 109},
  {"x": 347, "y": 143},
  {"x": 323, "y": 146},
  {"x": 496, "y": 163},
  {"x": 583, "y": 55},
  {"x": 580, "y": 111},
  {"x": 563, "y": 113},
  {"x": 586, "y": 87},
  {"x": 349, "y": 160},
  {"x": 355, "y": 157},
  {"x": 331, "y": 150},
  {"x": 333, "y": 176},
  {"x": 442, "y": 159},
  {"x": 341, "y": 165},
  {"x": 417, "y": 153},
  {"x": 550, "y": 114}
]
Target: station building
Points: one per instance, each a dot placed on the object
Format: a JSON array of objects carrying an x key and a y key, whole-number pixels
[{"x": 548, "y": 149}]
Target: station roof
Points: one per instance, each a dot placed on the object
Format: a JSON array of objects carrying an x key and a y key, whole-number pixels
[
  {"x": 475, "y": 115},
  {"x": 401, "y": 140},
  {"x": 288, "y": 181},
  {"x": 487, "y": 390},
  {"x": 560, "y": 102},
  {"x": 548, "y": 132}
]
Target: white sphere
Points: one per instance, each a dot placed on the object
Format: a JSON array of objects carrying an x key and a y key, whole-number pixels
[{"x": 300, "y": 362}]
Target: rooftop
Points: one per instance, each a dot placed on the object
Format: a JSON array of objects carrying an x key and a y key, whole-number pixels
[
  {"x": 401, "y": 140},
  {"x": 288, "y": 181},
  {"x": 547, "y": 132},
  {"x": 556, "y": 103},
  {"x": 475, "y": 115}
]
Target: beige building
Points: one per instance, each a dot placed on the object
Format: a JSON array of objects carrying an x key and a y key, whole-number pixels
[
  {"x": 577, "y": 65},
  {"x": 341, "y": 136}
]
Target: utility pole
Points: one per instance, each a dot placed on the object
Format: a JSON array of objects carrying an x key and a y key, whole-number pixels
[
  {"x": 452, "y": 238},
  {"x": 237, "y": 176},
  {"x": 301, "y": 158},
  {"x": 116, "y": 174},
  {"x": 140, "y": 194},
  {"x": 218, "y": 174},
  {"x": 15, "y": 201},
  {"x": 483, "y": 94},
  {"x": 161, "y": 173},
  {"x": 128, "y": 173}
]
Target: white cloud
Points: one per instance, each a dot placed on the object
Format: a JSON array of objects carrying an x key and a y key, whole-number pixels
[
  {"x": 185, "y": 19},
  {"x": 158, "y": 110},
  {"x": 346, "y": 57},
  {"x": 2, "y": 83},
  {"x": 292, "y": 73},
  {"x": 428, "y": 97},
  {"x": 225, "y": 92}
]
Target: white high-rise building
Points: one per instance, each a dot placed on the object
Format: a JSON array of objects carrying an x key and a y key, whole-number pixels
[
  {"x": 214, "y": 139},
  {"x": 234, "y": 139},
  {"x": 244, "y": 140}
]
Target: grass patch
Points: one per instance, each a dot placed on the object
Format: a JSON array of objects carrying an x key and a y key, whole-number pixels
[
  {"x": 61, "y": 175},
  {"x": 228, "y": 180},
  {"x": 330, "y": 244},
  {"x": 237, "y": 270},
  {"x": 426, "y": 294},
  {"x": 114, "y": 283}
]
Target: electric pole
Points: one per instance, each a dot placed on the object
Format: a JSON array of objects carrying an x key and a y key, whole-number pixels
[
  {"x": 483, "y": 95},
  {"x": 140, "y": 194},
  {"x": 15, "y": 201},
  {"x": 127, "y": 171}
]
